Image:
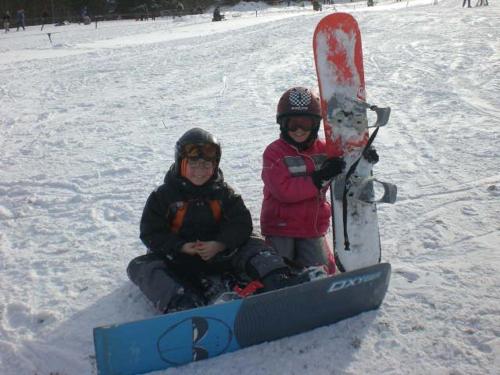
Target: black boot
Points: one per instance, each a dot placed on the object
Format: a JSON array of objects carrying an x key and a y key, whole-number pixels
[
  {"x": 218, "y": 288},
  {"x": 185, "y": 300},
  {"x": 282, "y": 278}
]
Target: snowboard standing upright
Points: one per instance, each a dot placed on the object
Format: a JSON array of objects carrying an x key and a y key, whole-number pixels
[{"x": 339, "y": 66}]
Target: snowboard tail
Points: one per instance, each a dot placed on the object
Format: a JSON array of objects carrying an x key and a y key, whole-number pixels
[{"x": 179, "y": 338}]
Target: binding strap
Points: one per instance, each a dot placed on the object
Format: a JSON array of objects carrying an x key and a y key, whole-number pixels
[
  {"x": 348, "y": 175},
  {"x": 248, "y": 290}
]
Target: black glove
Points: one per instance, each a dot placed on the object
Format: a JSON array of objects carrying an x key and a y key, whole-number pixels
[
  {"x": 370, "y": 155},
  {"x": 329, "y": 169}
]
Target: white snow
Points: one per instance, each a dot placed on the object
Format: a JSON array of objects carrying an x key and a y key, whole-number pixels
[{"x": 87, "y": 130}]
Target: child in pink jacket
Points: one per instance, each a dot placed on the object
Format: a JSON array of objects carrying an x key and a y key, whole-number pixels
[{"x": 295, "y": 214}]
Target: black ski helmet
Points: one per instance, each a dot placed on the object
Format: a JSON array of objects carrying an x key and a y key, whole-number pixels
[
  {"x": 195, "y": 136},
  {"x": 298, "y": 101}
]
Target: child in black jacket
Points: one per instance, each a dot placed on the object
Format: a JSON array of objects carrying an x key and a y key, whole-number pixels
[{"x": 198, "y": 233}]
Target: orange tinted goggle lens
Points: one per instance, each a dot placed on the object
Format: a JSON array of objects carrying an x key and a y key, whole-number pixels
[
  {"x": 206, "y": 151},
  {"x": 305, "y": 127}
]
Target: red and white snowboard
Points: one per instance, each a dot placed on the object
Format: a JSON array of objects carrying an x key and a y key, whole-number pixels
[{"x": 339, "y": 66}]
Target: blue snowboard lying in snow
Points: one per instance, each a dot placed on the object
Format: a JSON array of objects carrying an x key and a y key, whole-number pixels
[{"x": 192, "y": 335}]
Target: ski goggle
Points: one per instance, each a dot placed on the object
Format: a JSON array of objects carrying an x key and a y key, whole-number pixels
[
  {"x": 205, "y": 151},
  {"x": 200, "y": 163},
  {"x": 293, "y": 126}
]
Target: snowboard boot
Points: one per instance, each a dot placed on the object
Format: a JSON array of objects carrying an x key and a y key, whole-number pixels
[
  {"x": 217, "y": 289},
  {"x": 184, "y": 300},
  {"x": 314, "y": 273},
  {"x": 282, "y": 278}
]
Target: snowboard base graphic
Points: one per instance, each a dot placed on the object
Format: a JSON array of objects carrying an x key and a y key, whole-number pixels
[{"x": 192, "y": 335}]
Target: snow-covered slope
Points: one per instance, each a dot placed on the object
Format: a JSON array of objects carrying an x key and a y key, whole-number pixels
[{"x": 87, "y": 129}]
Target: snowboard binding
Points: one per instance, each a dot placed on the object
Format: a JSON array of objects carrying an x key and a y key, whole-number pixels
[{"x": 347, "y": 112}]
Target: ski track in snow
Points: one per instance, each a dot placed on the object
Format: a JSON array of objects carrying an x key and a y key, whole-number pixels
[{"x": 87, "y": 131}]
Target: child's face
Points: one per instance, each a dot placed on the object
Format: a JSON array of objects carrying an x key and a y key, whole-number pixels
[
  {"x": 199, "y": 171},
  {"x": 299, "y": 128}
]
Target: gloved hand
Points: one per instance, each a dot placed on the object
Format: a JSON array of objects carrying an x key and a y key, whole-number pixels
[
  {"x": 371, "y": 155},
  {"x": 329, "y": 169}
]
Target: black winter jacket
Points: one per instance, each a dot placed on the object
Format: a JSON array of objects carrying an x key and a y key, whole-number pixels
[{"x": 233, "y": 229}]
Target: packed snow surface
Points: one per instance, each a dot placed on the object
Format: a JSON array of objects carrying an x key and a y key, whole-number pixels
[{"x": 87, "y": 129}]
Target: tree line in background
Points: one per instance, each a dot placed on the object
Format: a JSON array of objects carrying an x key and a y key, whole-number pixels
[{"x": 72, "y": 10}]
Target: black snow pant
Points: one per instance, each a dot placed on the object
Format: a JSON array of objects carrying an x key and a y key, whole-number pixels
[{"x": 160, "y": 279}]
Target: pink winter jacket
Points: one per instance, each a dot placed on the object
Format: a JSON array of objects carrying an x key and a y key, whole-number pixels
[{"x": 292, "y": 205}]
